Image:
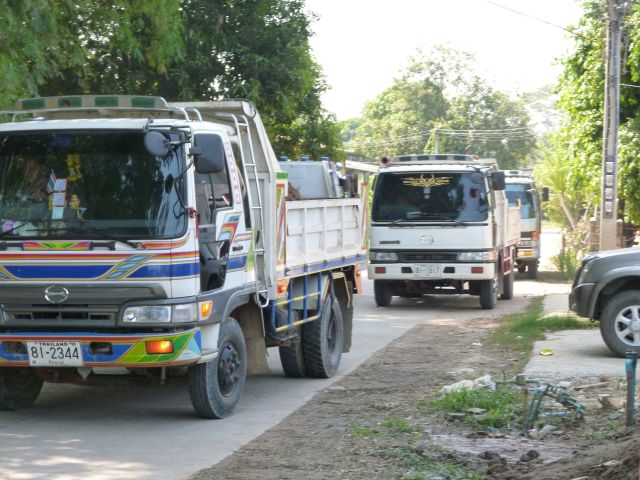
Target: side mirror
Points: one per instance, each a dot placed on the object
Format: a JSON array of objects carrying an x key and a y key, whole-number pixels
[
  {"x": 545, "y": 194},
  {"x": 497, "y": 180},
  {"x": 156, "y": 144},
  {"x": 208, "y": 153}
]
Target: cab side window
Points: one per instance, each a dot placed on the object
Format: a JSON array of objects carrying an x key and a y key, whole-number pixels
[{"x": 213, "y": 192}]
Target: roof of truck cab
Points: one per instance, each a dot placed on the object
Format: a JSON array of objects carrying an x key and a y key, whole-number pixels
[
  {"x": 106, "y": 124},
  {"x": 435, "y": 167},
  {"x": 519, "y": 180}
]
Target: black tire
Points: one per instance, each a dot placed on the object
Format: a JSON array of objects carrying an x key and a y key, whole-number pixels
[
  {"x": 613, "y": 323},
  {"x": 215, "y": 387},
  {"x": 488, "y": 294},
  {"x": 522, "y": 268},
  {"x": 19, "y": 388},
  {"x": 507, "y": 286},
  {"x": 292, "y": 359},
  {"x": 532, "y": 270},
  {"x": 382, "y": 293},
  {"x": 322, "y": 341}
]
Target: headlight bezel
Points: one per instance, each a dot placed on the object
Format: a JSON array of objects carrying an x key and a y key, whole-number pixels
[
  {"x": 383, "y": 256},
  {"x": 477, "y": 256},
  {"x": 180, "y": 313}
]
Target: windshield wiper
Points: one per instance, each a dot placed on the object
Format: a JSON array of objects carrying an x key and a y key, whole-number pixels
[
  {"x": 24, "y": 223},
  {"x": 434, "y": 216},
  {"x": 83, "y": 228}
]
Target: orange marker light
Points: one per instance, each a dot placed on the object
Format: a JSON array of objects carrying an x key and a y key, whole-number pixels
[
  {"x": 380, "y": 270},
  {"x": 157, "y": 347},
  {"x": 282, "y": 287},
  {"x": 205, "y": 309},
  {"x": 477, "y": 269}
]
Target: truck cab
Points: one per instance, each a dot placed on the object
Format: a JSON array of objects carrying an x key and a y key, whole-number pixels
[
  {"x": 440, "y": 224},
  {"x": 522, "y": 191}
]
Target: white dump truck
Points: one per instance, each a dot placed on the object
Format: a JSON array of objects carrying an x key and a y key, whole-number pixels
[
  {"x": 441, "y": 224},
  {"x": 154, "y": 240},
  {"x": 521, "y": 191}
]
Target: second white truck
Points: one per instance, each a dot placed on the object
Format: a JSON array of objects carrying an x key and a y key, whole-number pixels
[
  {"x": 441, "y": 224},
  {"x": 521, "y": 191}
]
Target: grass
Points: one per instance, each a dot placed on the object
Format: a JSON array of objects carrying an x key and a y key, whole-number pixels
[
  {"x": 422, "y": 468},
  {"x": 390, "y": 427},
  {"x": 362, "y": 431},
  {"x": 517, "y": 333},
  {"x": 501, "y": 406}
]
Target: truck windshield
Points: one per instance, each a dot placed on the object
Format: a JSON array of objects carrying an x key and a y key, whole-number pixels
[
  {"x": 441, "y": 196},
  {"x": 87, "y": 184},
  {"x": 521, "y": 192}
]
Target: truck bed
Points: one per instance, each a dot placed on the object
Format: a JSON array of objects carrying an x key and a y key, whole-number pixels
[{"x": 323, "y": 233}]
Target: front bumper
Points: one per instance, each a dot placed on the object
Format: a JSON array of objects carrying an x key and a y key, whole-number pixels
[
  {"x": 580, "y": 299},
  {"x": 527, "y": 254},
  {"x": 108, "y": 349},
  {"x": 431, "y": 271}
]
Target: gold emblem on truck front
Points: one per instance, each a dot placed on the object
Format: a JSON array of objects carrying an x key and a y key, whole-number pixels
[{"x": 426, "y": 182}]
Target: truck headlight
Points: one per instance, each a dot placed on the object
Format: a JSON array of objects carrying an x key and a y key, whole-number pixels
[
  {"x": 155, "y": 314},
  {"x": 489, "y": 256},
  {"x": 183, "y": 313},
  {"x": 383, "y": 256}
]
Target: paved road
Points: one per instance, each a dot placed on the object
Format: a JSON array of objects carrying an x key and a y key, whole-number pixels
[{"x": 139, "y": 433}]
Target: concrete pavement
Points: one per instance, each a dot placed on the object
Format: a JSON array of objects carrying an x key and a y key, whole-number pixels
[{"x": 576, "y": 353}]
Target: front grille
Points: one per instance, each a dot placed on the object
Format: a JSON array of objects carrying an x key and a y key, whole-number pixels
[
  {"x": 427, "y": 257},
  {"x": 51, "y": 315}
]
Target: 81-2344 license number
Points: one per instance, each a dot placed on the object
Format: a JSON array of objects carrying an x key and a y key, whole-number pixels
[{"x": 54, "y": 354}]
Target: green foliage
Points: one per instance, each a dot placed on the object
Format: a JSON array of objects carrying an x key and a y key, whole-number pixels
[
  {"x": 501, "y": 406},
  {"x": 180, "y": 49},
  {"x": 438, "y": 91},
  {"x": 567, "y": 263},
  {"x": 581, "y": 91}
]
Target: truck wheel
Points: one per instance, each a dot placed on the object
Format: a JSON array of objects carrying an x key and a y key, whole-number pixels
[
  {"x": 620, "y": 323},
  {"x": 488, "y": 293},
  {"x": 19, "y": 388},
  {"x": 292, "y": 358},
  {"x": 532, "y": 270},
  {"x": 322, "y": 341},
  {"x": 382, "y": 293},
  {"x": 522, "y": 267},
  {"x": 215, "y": 387},
  {"x": 507, "y": 286}
]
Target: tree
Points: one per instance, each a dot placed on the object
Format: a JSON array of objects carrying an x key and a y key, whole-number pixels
[
  {"x": 438, "y": 93},
  {"x": 581, "y": 88},
  {"x": 180, "y": 49}
]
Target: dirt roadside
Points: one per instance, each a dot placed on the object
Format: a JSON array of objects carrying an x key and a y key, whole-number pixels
[{"x": 370, "y": 425}]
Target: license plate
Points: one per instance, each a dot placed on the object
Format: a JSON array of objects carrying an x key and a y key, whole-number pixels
[
  {"x": 422, "y": 271},
  {"x": 54, "y": 354}
]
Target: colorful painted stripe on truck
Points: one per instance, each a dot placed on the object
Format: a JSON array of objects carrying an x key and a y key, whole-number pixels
[
  {"x": 127, "y": 350},
  {"x": 98, "y": 266}
]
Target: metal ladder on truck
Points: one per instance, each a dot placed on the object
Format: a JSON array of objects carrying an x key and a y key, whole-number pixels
[
  {"x": 255, "y": 204},
  {"x": 235, "y": 113}
]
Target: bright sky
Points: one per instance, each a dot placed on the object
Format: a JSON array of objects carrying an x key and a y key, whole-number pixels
[{"x": 363, "y": 44}]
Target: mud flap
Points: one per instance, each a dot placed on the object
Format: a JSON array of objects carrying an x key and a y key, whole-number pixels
[{"x": 342, "y": 290}]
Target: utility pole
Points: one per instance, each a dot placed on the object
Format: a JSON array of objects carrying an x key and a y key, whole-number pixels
[{"x": 609, "y": 191}]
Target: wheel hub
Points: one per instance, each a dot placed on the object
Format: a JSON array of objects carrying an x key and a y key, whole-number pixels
[
  {"x": 628, "y": 325},
  {"x": 229, "y": 365}
]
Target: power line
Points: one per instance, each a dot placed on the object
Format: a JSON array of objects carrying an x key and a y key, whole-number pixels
[{"x": 517, "y": 12}]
